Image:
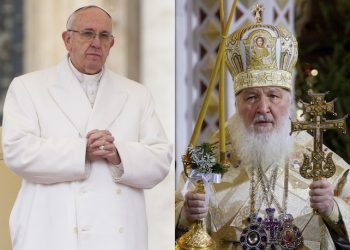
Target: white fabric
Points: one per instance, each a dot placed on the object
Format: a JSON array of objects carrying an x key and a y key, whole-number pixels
[
  {"x": 65, "y": 202},
  {"x": 89, "y": 83}
]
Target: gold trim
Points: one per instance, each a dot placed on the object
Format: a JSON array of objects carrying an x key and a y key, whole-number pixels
[{"x": 262, "y": 78}]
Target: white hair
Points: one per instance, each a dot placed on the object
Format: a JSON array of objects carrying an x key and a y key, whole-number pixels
[{"x": 71, "y": 18}]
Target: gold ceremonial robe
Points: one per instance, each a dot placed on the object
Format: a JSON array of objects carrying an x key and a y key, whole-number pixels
[{"x": 229, "y": 201}]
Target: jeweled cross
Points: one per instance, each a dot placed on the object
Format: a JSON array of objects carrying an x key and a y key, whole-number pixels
[
  {"x": 318, "y": 124},
  {"x": 271, "y": 224}
]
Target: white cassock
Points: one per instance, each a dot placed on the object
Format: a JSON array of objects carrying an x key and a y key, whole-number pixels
[{"x": 66, "y": 203}]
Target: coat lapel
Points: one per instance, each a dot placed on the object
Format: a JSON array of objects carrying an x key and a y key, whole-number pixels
[
  {"x": 109, "y": 102},
  {"x": 71, "y": 98}
]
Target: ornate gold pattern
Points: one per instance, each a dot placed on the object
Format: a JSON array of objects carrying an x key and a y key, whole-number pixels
[
  {"x": 317, "y": 108},
  {"x": 271, "y": 50},
  {"x": 262, "y": 78},
  {"x": 197, "y": 237},
  {"x": 187, "y": 163}
]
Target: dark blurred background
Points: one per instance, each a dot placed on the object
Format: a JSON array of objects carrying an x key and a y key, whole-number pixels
[{"x": 323, "y": 32}]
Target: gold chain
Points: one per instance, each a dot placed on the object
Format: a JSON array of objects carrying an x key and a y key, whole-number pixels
[
  {"x": 268, "y": 190},
  {"x": 285, "y": 186},
  {"x": 252, "y": 190}
]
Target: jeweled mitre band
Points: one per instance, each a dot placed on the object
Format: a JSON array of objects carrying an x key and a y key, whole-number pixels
[{"x": 261, "y": 78}]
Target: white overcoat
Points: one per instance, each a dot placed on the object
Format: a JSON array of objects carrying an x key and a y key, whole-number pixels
[{"x": 66, "y": 203}]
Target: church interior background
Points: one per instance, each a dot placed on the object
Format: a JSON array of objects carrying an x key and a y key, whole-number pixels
[
  {"x": 322, "y": 29},
  {"x": 30, "y": 39}
]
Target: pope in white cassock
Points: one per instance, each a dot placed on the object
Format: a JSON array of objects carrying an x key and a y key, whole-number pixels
[
  {"x": 86, "y": 143},
  {"x": 265, "y": 160}
]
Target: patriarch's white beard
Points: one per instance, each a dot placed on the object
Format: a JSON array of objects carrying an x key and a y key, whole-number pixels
[{"x": 261, "y": 148}]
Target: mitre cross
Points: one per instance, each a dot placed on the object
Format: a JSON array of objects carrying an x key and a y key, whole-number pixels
[
  {"x": 322, "y": 166},
  {"x": 257, "y": 12}
]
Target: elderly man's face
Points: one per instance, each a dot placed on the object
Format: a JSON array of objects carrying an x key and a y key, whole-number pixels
[
  {"x": 262, "y": 109},
  {"x": 89, "y": 56}
]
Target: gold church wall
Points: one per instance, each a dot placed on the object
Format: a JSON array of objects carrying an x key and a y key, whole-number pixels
[{"x": 9, "y": 186}]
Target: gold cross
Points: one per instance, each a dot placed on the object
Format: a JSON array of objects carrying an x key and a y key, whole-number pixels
[
  {"x": 318, "y": 124},
  {"x": 257, "y": 12}
]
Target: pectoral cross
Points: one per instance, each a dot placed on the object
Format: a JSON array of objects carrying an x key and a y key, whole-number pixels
[
  {"x": 272, "y": 225},
  {"x": 318, "y": 124}
]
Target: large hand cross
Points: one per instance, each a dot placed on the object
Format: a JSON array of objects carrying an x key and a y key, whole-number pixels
[{"x": 318, "y": 124}]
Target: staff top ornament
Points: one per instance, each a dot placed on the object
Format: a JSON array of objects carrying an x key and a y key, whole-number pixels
[
  {"x": 318, "y": 166},
  {"x": 202, "y": 159}
]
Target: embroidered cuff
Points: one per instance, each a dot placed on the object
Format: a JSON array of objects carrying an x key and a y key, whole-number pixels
[
  {"x": 333, "y": 217},
  {"x": 334, "y": 220}
]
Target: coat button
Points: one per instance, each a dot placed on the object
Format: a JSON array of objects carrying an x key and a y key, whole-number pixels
[
  {"x": 118, "y": 191},
  {"x": 121, "y": 230}
]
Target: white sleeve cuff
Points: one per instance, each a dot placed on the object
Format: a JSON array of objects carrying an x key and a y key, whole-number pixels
[{"x": 117, "y": 171}]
